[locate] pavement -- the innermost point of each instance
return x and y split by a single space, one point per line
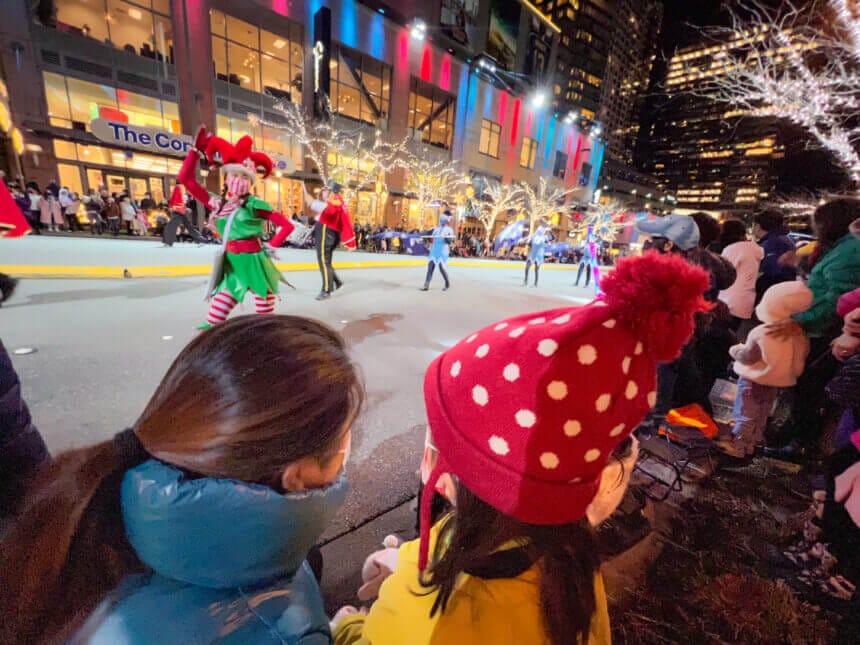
102 346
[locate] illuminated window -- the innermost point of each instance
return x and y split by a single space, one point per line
256 59
360 86
431 111
491 135
71 101
143 27
528 153
559 169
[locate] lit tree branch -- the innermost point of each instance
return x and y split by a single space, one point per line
503 198
430 179
788 66
543 202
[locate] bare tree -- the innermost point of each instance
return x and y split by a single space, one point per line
430 180
502 198
356 157
544 202
603 221
795 66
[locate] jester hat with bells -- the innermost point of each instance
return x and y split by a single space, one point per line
238 158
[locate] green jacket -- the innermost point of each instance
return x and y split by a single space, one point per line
836 272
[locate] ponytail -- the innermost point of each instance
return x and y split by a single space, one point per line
68 549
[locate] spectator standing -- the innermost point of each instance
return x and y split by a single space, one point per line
216 496
54 188
127 212
773 357
777 264
71 212
112 214
50 213
835 270
94 207
35 217
147 204
746 257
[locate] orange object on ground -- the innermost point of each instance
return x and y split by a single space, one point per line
693 416
12 221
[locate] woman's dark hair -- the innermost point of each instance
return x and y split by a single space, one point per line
770 219
733 230
831 223
709 228
241 401
566 556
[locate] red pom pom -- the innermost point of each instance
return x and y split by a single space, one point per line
656 297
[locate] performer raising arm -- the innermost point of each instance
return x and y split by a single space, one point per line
239 216
537 249
331 228
442 237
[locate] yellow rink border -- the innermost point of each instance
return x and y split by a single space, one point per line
46 271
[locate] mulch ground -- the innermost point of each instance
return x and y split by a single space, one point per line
721 576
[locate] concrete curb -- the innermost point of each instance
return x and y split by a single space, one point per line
48 271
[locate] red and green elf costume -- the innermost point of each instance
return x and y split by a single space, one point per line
239 218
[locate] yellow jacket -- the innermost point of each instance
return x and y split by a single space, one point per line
480 612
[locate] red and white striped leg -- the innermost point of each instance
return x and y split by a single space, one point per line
265 305
222 304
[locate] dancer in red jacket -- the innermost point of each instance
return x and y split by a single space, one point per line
331 228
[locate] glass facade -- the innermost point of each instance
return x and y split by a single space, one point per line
528 153
141 27
256 59
431 111
360 86
71 101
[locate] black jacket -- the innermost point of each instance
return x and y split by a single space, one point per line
22 449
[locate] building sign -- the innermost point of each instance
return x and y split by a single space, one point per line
137 137
141 138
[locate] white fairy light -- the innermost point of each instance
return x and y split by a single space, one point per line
502 198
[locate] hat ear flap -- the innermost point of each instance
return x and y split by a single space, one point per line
243 148
224 149
262 161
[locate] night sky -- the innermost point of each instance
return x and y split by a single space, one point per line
679 15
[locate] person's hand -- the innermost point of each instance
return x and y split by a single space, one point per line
847 491
735 349
377 567
343 612
350 249
844 347
789 258
272 252
852 322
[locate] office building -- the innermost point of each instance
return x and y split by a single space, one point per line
110 92
709 156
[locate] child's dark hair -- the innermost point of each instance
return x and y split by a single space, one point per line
241 401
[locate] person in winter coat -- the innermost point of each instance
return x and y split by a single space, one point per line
71 212
194 525
533 454
50 213
776 265
127 212
689 378
112 213
835 270
773 357
22 450
35 217
746 256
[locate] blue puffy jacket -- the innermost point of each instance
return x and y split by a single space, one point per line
227 562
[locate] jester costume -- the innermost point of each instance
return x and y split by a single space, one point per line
331 228
239 218
442 237
537 251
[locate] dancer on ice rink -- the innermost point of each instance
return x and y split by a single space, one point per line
243 263
331 228
537 249
442 237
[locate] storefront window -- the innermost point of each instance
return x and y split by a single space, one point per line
64 149
58 100
360 86
431 111
143 27
70 177
268 139
257 59
71 99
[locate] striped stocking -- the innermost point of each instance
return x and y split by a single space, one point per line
222 304
265 305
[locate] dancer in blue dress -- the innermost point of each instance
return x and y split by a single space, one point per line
537 249
442 237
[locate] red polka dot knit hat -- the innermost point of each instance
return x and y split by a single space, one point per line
527 411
